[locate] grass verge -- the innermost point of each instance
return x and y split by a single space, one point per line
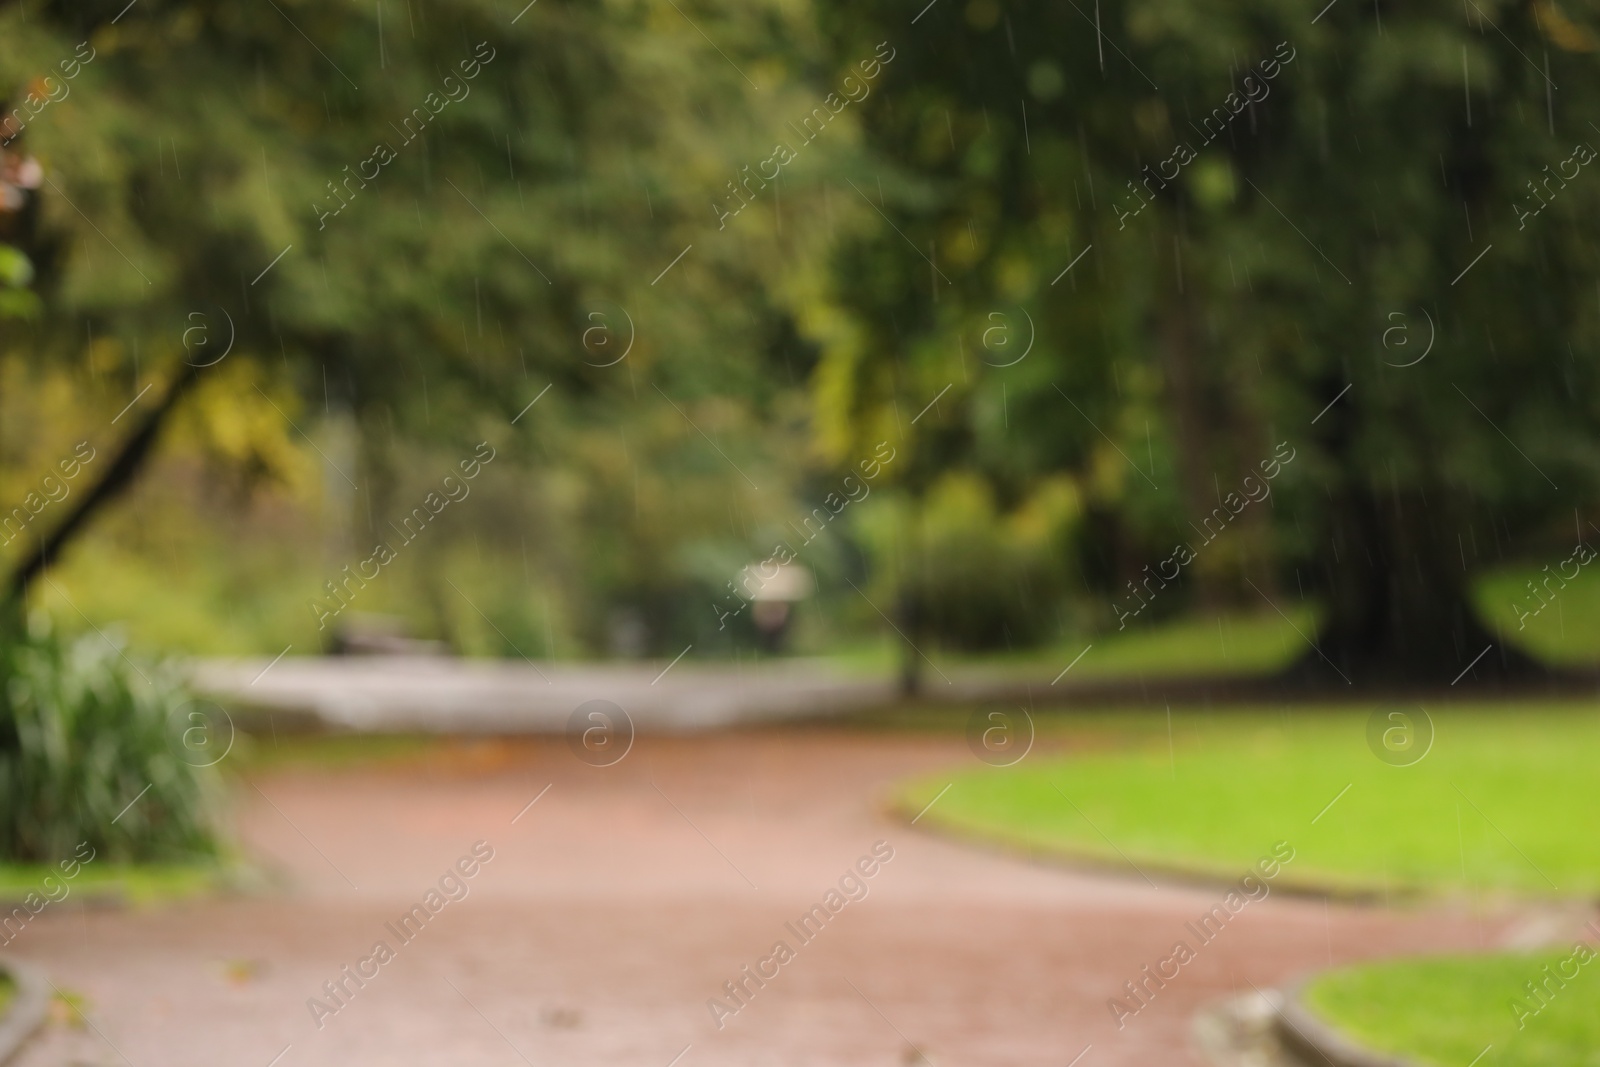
1502 801
136 884
1447 1010
1199 645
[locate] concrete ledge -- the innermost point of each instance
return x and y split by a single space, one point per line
435 694
1241 1031
30 1005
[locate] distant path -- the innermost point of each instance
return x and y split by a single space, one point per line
622 900
447 695
436 694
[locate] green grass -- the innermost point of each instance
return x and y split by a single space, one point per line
1445 1010
1220 644
1563 632
8 990
1505 800
331 752
1215 644
134 884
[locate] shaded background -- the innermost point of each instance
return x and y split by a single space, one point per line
1123 261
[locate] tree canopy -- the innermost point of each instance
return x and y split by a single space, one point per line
1156 303
1234 229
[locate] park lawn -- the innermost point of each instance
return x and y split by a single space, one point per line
1218 644
1195 645
1203 644
1261 642
1505 800
1562 631
1446 1010
1244 643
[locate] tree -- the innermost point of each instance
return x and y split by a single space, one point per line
416 213
1266 191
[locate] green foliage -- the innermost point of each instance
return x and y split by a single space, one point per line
85 731
980 579
582 156
907 271
16 272
520 243
126 883
1199 644
1222 309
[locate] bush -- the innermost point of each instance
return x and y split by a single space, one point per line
981 577
83 731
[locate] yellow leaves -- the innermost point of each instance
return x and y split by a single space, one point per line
1108 473
1562 31
1016 276
235 423
835 388
965 238
43 415
962 505
958 246
105 356
969 542
1051 511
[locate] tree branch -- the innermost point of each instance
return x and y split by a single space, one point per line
117 478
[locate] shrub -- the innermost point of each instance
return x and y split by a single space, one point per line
982 577
84 730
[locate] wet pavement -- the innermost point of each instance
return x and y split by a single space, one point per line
619 901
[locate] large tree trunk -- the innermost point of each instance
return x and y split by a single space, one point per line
1193 420
909 608
1397 589
118 477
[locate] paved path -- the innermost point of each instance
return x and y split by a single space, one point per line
626 896
447 695
443 694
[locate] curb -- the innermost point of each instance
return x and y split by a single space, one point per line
1168 874
1318 1043
1241 1031
30 1005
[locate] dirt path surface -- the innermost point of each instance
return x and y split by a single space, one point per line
624 899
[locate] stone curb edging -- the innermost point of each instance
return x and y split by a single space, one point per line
30 1005
1318 1043
1166 874
1241 1031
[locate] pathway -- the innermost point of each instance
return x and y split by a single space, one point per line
622 900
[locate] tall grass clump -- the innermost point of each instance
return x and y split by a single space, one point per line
84 730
